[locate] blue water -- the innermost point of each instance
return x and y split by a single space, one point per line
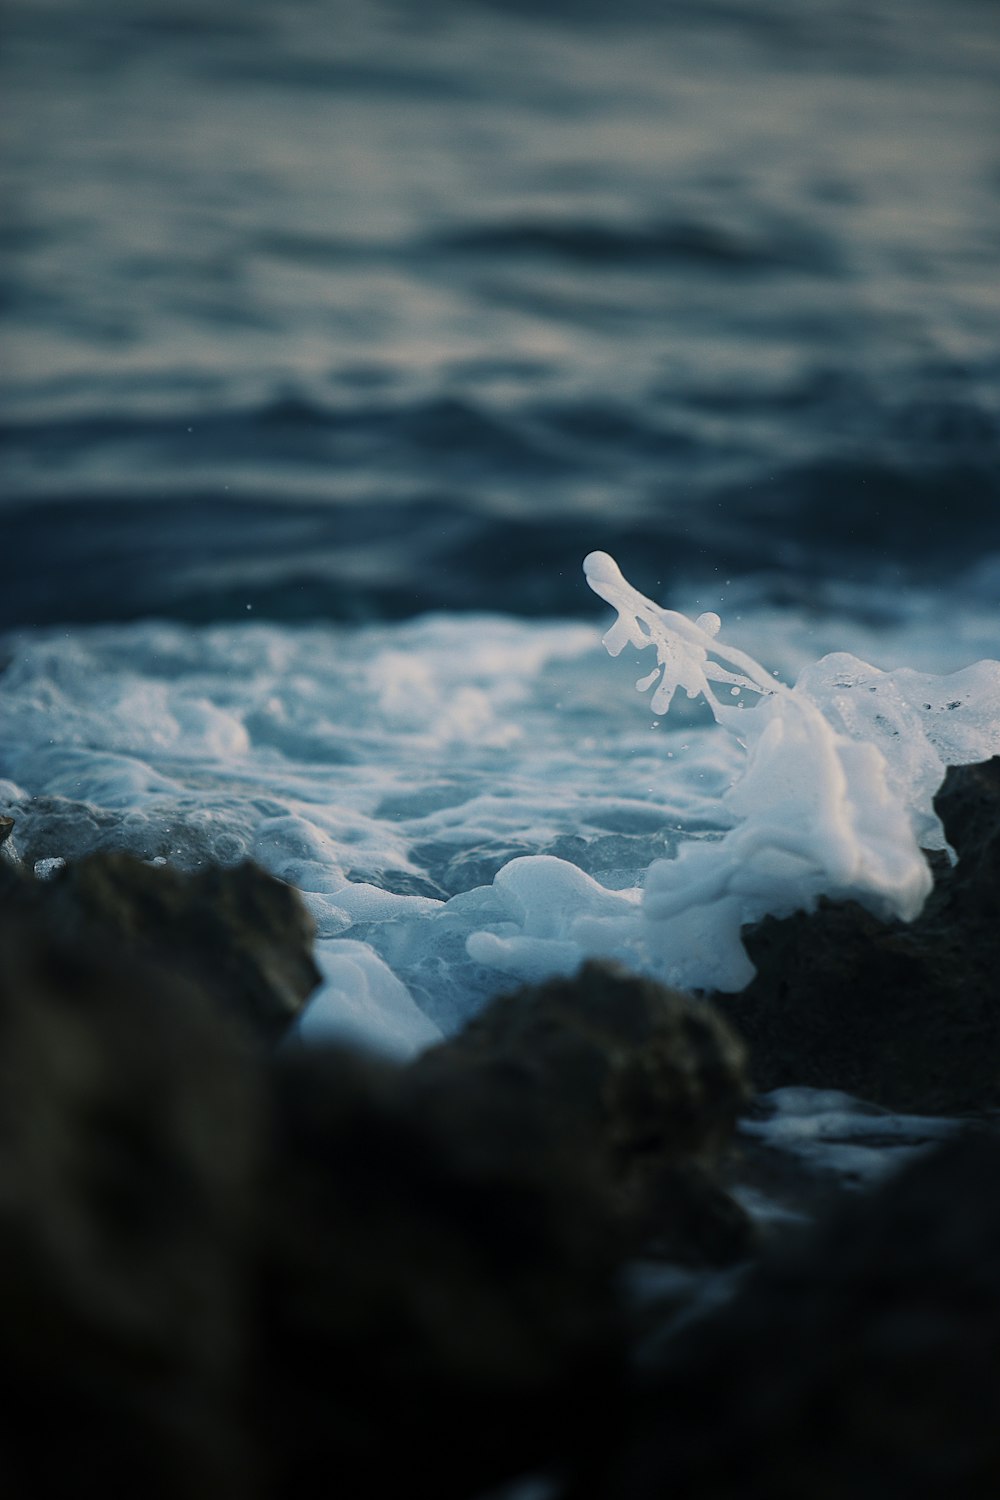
356 310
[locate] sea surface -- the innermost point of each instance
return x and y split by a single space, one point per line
356 310
336 335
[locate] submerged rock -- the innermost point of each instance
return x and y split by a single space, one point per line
242 936
905 1015
861 1363
639 1086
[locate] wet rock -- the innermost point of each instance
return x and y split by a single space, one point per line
225 1270
242 936
52 826
907 1016
687 1217
439 1308
130 1119
638 1084
862 1363
969 806
8 851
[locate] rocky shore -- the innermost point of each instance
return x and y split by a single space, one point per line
231 1263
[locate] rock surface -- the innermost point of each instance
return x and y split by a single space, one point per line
439 1308
8 852
129 1116
907 1016
228 1269
862 1363
239 934
639 1086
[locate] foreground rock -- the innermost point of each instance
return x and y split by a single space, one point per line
224 1272
862 1363
233 1271
228 1270
439 1306
907 1016
637 1085
444 1243
130 1117
240 935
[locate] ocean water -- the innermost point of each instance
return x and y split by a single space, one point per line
335 336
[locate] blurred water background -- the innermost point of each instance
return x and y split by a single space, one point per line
355 310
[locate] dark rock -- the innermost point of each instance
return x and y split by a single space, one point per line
969 807
638 1084
438 1308
8 853
130 1119
228 1271
907 1016
862 1363
242 936
687 1216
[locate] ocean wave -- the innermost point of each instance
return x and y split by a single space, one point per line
697 242
194 553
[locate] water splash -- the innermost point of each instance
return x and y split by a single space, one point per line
836 797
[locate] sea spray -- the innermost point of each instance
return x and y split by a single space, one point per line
836 798
833 796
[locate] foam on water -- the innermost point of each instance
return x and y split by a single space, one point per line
836 795
464 801
838 1136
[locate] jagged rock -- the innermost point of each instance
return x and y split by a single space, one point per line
130 1119
640 1085
861 1363
244 937
439 1309
907 1016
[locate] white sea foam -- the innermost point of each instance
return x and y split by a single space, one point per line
464 801
361 1001
834 798
839 1136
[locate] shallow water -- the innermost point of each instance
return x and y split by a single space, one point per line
393 771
